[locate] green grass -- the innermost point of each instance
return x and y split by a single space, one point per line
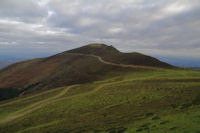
17 104
162 101
186 121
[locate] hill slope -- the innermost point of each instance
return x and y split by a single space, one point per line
70 67
163 100
106 97
56 71
109 53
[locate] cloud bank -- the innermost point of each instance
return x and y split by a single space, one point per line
167 28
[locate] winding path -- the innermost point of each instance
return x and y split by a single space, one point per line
34 106
115 64
53 99
29 97
59 97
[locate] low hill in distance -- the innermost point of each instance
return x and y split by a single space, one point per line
81 65
6 63
196 68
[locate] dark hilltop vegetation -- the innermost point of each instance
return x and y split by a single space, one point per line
98 89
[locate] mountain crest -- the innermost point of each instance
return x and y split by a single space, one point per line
95 49
111 54
80 65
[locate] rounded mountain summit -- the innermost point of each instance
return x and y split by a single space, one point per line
81 65
109 53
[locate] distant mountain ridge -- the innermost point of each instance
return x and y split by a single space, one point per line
188 62
5 63
81 65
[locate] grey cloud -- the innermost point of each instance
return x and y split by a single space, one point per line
148 26
23 10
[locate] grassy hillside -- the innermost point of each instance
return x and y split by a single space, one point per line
97 89
109 53
56 71
156 101
82 65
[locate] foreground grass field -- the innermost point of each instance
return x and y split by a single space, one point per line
154 101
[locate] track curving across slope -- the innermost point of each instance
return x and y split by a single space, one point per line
34 106
59 97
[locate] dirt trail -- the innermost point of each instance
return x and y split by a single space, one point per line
34 106
56 98
93 91
98 57
115 64
47 101
29 97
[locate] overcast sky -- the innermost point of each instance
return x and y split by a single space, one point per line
154 27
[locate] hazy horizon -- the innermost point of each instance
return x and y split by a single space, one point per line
177 61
